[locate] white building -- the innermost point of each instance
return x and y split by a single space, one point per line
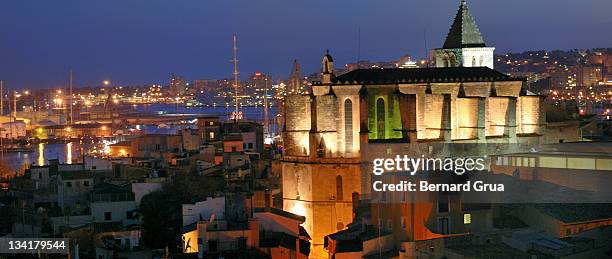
13 130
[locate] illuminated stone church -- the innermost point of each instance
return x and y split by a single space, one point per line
331 135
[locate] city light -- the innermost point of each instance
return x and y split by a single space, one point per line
242 153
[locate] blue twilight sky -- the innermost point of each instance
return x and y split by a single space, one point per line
143 41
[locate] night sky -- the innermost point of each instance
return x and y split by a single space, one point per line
143 41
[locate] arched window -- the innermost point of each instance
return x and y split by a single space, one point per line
445 60
380 118
339 188
348 126
453 60
473 61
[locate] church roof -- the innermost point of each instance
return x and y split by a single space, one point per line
422 75
464 32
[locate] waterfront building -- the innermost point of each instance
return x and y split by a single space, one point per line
13 129
178 87
94 130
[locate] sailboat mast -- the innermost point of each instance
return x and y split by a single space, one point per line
70 99
1 97
266 121
235 60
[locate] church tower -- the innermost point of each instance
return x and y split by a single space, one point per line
327 74
464 45
321 166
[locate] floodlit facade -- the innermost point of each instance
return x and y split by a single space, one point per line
331 136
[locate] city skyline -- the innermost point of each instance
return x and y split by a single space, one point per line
121 42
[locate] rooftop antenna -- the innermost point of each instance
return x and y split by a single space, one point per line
236 114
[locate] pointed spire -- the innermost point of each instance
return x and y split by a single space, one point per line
295 79
464 32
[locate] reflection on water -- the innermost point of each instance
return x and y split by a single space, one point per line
41 154
64 152
69 153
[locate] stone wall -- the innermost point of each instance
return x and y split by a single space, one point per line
312 190
297 113
432 118
327 113
464 118
528 112
297 125
496 120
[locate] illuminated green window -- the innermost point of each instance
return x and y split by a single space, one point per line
380 118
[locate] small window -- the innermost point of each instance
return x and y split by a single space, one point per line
210 123
108 215
86 183
568 231
211 134
339 190
39 175
250 145
68 184
467 218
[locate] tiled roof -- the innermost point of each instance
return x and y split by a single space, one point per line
282 213
422 75
464 32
